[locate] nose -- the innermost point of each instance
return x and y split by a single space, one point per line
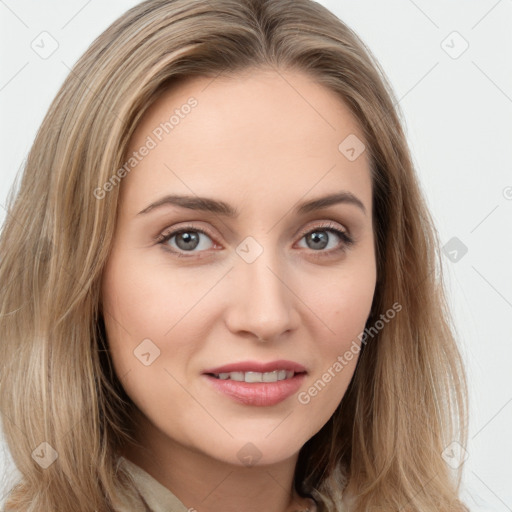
262 303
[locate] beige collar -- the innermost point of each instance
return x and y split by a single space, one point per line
157 496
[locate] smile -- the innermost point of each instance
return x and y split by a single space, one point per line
274 376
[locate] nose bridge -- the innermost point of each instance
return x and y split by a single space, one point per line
263 303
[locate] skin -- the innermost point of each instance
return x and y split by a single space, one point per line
261 142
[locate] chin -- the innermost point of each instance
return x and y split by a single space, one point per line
255 452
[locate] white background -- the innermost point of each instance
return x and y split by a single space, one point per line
458 119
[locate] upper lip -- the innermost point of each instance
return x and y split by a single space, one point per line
256 366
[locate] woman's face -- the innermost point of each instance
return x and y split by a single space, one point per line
258 275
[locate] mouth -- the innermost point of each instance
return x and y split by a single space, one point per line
252 377
255 383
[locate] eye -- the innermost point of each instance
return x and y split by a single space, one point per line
188 238
319 239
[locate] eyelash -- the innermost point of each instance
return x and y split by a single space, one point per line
347 240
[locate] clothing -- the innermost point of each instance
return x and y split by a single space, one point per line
157 496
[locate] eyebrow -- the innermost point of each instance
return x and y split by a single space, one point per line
221 208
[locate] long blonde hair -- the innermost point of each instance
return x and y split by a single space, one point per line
383 446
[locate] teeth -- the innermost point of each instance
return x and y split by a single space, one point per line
257 376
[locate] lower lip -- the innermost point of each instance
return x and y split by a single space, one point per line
258 393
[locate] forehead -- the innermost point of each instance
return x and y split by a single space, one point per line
261 132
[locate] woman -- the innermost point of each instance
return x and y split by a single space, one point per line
222 285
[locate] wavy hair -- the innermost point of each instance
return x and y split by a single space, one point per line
382 449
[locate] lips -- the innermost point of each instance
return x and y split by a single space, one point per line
255 383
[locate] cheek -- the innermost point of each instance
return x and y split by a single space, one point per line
148 341
144 300
134 312
149 309
344 304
